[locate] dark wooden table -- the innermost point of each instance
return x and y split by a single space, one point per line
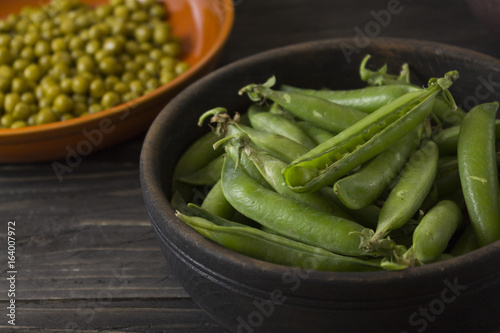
86 257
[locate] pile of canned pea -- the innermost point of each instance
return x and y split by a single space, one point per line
385 177
66 59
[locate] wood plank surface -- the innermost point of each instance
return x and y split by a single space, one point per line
86 255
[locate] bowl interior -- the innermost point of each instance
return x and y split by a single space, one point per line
203 27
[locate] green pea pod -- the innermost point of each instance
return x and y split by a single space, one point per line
216 203
319 135
211 216
286 216
207 175
368 99
273 248
433 233
407 196
447 139
271 169
318 111
441 109
198 155
467 242
273 123
365 186
478 171
359 143
277 145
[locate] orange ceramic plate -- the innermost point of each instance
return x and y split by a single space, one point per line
203 26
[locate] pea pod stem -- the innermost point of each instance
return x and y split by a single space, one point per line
380 77
478 171
357 144
286 216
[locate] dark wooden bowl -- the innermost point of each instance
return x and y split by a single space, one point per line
249 295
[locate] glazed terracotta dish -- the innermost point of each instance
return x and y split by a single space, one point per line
203 27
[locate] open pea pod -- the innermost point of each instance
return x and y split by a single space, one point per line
365 139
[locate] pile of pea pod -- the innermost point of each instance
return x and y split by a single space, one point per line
385 177
66 59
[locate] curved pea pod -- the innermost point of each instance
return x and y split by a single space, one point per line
407 196
271 169
365 186
319 135
433 233
478 171
441 109
273 123
277 145
274 248
288 217
467 242
359 143
447 139
244 162
207 175
368 99
216 203
198 155
318 111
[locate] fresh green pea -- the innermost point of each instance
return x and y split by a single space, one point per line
21 111
46 116
110 99
18 124
63 104
10 101
478 171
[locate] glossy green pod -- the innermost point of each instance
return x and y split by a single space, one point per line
288 217
369 137
478 171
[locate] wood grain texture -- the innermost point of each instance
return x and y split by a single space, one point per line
86 255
